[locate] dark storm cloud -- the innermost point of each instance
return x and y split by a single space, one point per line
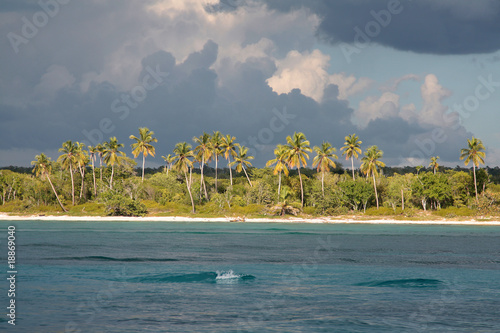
176 98
425 26
189 100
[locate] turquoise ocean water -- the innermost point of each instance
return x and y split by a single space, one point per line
252 277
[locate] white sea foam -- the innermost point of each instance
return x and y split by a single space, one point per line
223 275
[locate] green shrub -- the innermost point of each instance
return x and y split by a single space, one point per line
451 212
309 210
382 211
118 205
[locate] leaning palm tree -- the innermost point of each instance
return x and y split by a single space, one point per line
434 164
216 150
324 160
42 169
228 147
475 153
370 163
113 156
169 159
352 149
281 164
183 164
241 159
143 145
203 154
298 147
93 154
68 162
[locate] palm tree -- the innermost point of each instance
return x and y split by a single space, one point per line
298 147
352 149
475 154
370 163
100 151
68 161
281 164
182 153
169 159
43 168
81 160
434 164
215 147
241 159
228 148
203 154
113 156
324 161
93 154
143 145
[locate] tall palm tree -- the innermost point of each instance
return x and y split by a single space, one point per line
113 156
93 154
100 151
68 162
169 159
475 153
203 154
228 147
183 164
324 160
81 160
370 163
352 149
241 159
280 160
434 164
43 168
298 147
143 145
216 149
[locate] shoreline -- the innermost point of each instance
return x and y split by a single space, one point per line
324 220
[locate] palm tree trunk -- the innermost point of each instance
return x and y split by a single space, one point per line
247 177
189 191
82 173
301 188
475 183
57 197
93 176
352 168
216 160
72 185
230 171
375 187
143 161
111 179
190 176
202 180
279 186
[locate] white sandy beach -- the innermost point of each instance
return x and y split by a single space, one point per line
6 217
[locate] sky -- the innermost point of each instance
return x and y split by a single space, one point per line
417 78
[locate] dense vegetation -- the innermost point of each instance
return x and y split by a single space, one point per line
103 180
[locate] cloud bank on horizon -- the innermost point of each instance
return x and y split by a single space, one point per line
259 70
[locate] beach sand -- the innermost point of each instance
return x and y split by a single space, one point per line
6 217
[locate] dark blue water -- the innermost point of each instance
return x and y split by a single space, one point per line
253 277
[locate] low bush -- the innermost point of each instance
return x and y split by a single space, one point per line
118 205
381 211
451 212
